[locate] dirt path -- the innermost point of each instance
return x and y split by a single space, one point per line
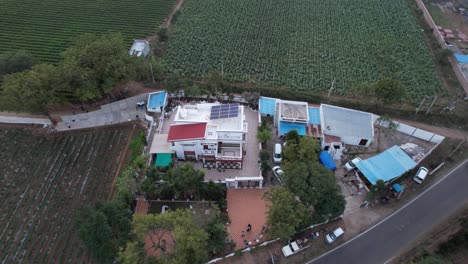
121 162
167 22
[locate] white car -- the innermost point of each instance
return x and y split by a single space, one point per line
421 175
352 164
332 236
278 172
290 249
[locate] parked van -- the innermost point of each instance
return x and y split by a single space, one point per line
421 175
332 236
277 153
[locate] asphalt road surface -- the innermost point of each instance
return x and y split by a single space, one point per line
394 234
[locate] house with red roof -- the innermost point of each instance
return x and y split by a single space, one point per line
210 132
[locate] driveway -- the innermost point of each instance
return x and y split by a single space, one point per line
394 234
114 113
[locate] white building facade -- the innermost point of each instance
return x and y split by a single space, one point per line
212 133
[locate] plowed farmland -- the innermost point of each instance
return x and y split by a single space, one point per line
43 181
46 28
303 44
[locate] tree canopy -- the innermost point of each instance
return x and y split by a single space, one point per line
183 181
285 215
12 62
32 89
103 229
315 186
89 70
389 91
95 64
300 149
263 132
172 234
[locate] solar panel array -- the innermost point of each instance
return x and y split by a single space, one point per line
224 111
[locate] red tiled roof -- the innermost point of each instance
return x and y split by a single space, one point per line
187 132
331 139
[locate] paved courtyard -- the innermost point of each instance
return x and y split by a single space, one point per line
246 206
109 114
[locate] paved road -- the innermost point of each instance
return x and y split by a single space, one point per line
387 239
25 120
118 112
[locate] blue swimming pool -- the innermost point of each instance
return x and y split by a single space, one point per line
156 100
267 106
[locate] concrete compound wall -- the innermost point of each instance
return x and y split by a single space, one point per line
456 68
412 131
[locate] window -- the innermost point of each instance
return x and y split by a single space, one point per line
363 142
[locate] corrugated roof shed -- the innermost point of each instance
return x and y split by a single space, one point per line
339 121
390 164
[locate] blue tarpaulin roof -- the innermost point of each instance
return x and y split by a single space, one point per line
285 127
461 58
327 160
314 116
267 106
388 165
397 187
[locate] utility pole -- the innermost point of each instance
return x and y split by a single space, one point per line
435 98
151 67
420 105
331 88
222 70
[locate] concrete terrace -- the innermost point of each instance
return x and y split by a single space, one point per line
250 166
109 114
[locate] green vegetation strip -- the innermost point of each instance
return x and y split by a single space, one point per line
47 27
303 44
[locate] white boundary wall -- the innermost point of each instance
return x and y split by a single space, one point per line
412 131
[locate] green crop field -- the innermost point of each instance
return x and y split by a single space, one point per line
43 182
45 28
303 44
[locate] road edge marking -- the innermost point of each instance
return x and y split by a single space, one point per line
386 218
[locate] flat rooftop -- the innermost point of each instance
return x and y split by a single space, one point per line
201 113
339 121
294 110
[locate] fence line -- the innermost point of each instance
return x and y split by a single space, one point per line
410 130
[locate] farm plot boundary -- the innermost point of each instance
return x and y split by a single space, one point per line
44 180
